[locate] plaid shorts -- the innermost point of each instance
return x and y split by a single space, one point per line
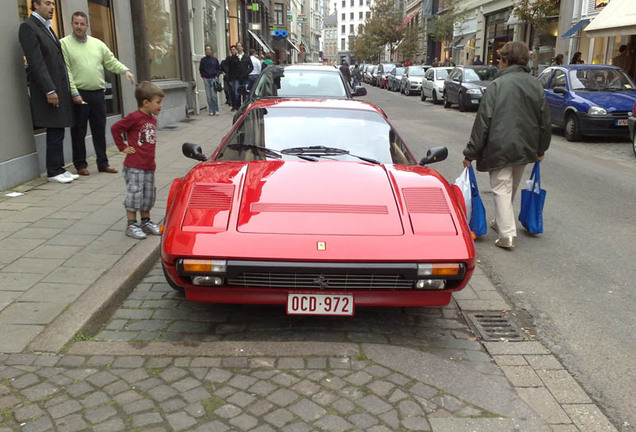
141 190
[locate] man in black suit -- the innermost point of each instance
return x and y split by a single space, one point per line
51 105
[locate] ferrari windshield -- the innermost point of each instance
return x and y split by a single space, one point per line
597 79
357 134
280 82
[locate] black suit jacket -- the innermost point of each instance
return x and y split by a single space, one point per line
47 72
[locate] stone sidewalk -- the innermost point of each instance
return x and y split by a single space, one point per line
65 263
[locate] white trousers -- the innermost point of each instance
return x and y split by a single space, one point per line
504 183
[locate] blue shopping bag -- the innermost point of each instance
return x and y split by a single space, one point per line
477 224
532 201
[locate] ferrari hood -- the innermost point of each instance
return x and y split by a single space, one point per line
320 198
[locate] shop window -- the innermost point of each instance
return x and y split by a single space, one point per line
161 30
24 11
101 27
211 26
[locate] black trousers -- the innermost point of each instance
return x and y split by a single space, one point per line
54 151
93 113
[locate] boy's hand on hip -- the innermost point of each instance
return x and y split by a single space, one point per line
129 150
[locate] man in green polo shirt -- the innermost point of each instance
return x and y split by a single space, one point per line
86 57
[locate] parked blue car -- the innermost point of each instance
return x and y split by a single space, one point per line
589 100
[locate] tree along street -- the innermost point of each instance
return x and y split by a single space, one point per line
577 279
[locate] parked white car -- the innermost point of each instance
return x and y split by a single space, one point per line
412 79
433 84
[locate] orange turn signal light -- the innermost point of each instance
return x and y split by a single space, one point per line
197 266
446 269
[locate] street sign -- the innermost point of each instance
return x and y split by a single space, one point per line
301 18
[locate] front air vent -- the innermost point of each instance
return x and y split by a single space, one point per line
425 200
211 196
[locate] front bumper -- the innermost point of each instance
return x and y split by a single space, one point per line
601 125
371 284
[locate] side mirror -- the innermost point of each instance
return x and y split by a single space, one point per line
193 151
436 154
561 90
359 91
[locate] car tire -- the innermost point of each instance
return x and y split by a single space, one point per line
634 144
571 128
447 103
422 96
461 103
435 100
407 91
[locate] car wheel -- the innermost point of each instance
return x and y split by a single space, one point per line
461 102
435 100
571 128
422 96
634 144
447 103
407 91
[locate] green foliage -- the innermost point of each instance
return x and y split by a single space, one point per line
383 28
409 46
536 12
443 24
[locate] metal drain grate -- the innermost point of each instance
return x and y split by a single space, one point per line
494 326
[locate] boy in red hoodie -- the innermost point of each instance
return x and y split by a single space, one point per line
139 166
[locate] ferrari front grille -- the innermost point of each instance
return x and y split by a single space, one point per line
321 281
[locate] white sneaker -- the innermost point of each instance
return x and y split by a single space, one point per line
71 175
61 178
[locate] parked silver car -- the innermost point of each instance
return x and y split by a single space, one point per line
394 79
433 84
412 79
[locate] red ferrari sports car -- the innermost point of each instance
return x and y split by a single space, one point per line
317 205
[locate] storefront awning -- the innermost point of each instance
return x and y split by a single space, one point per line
465 38
293 45
575 28
617 19
260 42
407 20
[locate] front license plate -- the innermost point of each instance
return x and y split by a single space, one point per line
621 122
319 304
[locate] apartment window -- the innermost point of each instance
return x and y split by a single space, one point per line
351 15
344 17
351 30
343 29
361 15
368 15
361 2
344 4
342 44
353 2
279 15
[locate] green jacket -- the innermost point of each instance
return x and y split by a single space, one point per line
512 125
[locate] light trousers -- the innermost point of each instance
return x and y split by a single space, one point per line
504 183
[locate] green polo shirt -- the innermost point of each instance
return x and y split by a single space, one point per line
85 62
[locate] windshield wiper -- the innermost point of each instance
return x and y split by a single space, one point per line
268 151
315 151
320 151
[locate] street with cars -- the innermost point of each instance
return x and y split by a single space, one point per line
153 358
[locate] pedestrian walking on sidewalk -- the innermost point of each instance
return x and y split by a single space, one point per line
210 69
49 88
139 166
86 57
240 66
514 98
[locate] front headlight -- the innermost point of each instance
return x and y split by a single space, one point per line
473 91
597 111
